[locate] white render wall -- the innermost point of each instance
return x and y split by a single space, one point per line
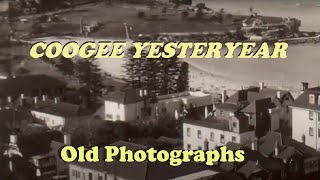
195 142
126 112
50 120
301 124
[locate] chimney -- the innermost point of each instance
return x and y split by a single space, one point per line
261 85
254 144
9 99
67 139
56 100
205 112
176 114
223 96
278 94
276 149
35 100
44 97
13 139
304 86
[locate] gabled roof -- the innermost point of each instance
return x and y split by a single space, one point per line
50 107
303 100
268 146
125 97
21 84
249 168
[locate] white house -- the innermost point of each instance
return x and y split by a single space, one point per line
172 105
216 131
306 117
53 112
125 106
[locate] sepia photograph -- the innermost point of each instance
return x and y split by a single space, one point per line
159 89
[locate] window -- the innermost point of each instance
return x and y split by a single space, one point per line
188 132
118 105
311 131
109 116
188 146
199 134
319 116
311 99
164 110
212 136
90 176
311 115
234 139
118 117
234 125
319 100
221 112
222 138
100 177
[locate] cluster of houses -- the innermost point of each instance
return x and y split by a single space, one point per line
279 134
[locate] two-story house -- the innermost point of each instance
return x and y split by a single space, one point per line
306 118
125 105
216 131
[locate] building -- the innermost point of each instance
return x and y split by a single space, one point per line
137 170
49 164
31 85
266 108
175 105
125 105
306 117
52 112
216 131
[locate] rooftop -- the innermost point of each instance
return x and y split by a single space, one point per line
125 97
221 123
21 84
49 106
186 94
303 100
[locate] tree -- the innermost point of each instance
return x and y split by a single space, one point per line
133 68
89 74
66 66
169 71
183 78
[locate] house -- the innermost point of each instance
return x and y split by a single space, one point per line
52 112
30 85
175 105
50 164
306 117
137 170
216 131
266 108
125 105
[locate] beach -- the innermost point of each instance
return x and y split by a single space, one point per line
233 74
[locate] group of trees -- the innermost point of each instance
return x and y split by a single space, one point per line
158 76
